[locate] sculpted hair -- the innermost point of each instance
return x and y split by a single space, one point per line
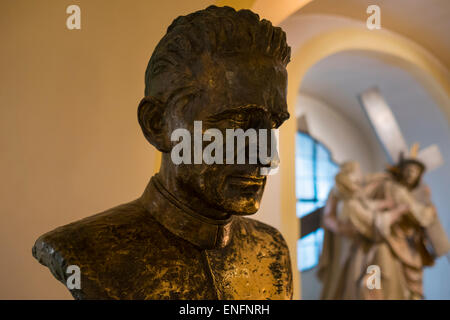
217 31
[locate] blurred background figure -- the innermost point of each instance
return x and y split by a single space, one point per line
381 221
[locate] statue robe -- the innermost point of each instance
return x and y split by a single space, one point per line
400 249
157 248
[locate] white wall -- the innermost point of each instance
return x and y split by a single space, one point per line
339 134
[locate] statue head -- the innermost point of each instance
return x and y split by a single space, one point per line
411 172
227 69
408 172
349 179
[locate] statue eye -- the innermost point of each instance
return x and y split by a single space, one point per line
239 118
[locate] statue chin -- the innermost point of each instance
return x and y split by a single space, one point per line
242 206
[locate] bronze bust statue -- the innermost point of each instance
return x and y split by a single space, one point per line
186 237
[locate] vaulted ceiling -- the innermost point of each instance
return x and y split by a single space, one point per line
427 22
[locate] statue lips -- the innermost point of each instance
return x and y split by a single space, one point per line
248 180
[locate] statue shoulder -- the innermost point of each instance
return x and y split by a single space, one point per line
94 242
268 243
84 233
262 230
377 177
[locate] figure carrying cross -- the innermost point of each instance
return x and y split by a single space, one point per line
384 219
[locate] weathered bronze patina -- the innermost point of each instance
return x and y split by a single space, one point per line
186 237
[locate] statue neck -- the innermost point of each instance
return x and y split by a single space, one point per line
185 195
184 222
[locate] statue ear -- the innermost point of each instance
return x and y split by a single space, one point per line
151 118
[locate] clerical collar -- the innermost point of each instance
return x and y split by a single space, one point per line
182 221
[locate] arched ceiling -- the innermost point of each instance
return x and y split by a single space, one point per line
425 22
339 78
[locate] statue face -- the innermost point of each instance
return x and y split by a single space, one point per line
236 92
411 173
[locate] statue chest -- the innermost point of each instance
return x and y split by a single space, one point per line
182 271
